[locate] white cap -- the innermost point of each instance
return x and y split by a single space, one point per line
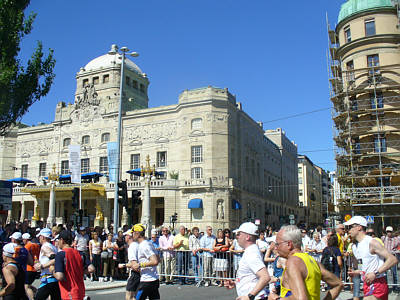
154 231
356 220
26 236
16 235
128 232
82 228
46 232
389 228
248 227
9 250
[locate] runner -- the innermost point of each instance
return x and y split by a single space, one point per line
252 276
13 276
69 269
132 265
373 260
31 273
48 285
302 274
148 261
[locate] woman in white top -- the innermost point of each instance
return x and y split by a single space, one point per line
316 247
261 243
108 262
95 246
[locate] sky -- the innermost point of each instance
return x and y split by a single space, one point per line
270 54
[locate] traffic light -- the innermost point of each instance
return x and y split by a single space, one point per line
75 198
174 218
136 201
123 192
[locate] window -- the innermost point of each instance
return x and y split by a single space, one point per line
161 159
300 169
356 146
103 165
134 84
42 169
24 171
347 34
354 103
370 27
142 88
373 63
96 80
135 164
85 165
106 78
64 167
376 102
197 173
197 124
66 142
85 140
379 143
85 82
128 81
350 70
300 180
197 154
105 137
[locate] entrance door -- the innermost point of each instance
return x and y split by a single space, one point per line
159 216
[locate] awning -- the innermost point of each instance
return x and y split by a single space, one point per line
83 176
137 172
20 180
236 204
195 203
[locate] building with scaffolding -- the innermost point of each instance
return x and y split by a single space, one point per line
364 61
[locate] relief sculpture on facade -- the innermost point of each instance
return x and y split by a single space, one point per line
150 132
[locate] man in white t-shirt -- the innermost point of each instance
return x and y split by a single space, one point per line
134 276
148 261
252 277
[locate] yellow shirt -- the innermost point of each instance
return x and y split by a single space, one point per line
340 243
178 238
312 280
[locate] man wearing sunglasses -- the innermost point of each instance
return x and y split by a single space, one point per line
374 260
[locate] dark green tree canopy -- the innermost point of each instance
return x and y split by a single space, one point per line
20 86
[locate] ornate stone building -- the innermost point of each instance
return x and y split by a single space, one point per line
205 147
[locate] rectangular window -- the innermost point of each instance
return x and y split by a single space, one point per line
347 34
350 70
376 102
106 78
300 193
197 173
85 165
24 171
42 169
134 84
85 82
135 164
354 103
300 169
64 167
300 180
161 159
142 88
197 154
379 143
370 27
103 165
373 64
128 81
96 80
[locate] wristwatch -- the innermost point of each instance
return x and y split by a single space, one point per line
377 273
251 296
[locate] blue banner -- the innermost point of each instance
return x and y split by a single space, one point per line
112 157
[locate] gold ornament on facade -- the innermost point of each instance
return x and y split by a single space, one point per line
99 213
53 176
148 170
36 215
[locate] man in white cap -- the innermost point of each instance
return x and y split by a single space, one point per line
373 259
22 256
81 242
13 275
34 251
391 243
252 275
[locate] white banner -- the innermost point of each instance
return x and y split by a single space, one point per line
75 163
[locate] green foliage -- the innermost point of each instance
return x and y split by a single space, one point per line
20 86
174 175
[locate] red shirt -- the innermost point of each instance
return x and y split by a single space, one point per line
69 262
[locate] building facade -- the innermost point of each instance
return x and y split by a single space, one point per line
365 82
205 147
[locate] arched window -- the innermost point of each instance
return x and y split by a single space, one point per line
105 137
85 140
197 124
66 142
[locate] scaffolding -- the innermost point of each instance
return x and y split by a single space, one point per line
366 118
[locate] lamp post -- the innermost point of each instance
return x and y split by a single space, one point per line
148 173
53 177
114 51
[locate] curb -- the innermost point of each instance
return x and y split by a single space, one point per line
105 286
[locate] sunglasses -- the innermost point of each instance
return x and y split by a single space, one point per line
370 233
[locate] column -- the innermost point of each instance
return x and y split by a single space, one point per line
22 210
146 213
52 205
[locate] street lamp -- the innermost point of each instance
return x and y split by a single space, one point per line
114 51
148 173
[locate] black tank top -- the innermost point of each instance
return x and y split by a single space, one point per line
19 291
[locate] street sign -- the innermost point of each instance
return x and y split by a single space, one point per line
370 219
5 195
347 217
291 217
292 222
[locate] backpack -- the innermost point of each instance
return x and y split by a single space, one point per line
329 260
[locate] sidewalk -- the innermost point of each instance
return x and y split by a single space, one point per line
96 285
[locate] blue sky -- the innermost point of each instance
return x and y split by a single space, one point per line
270 54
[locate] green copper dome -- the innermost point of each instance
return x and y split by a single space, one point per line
352 7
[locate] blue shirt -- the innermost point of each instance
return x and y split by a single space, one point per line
207 242
156 246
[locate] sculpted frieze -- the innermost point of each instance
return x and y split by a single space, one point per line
217 117
151 132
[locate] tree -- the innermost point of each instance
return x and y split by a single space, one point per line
20 86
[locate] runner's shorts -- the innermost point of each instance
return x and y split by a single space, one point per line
378 288
133 282
148 289
30 277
